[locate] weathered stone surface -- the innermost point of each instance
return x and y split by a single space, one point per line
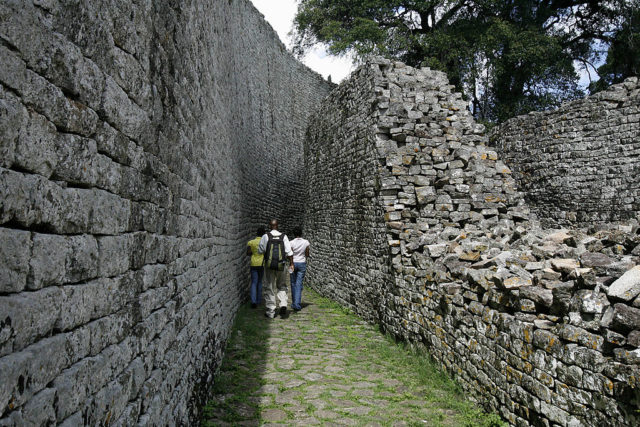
561 161
564 265
634 338
558 237
520 314
436 251
592 302
134 167
596 259
15 250
625 318
514 283
537 294
627 286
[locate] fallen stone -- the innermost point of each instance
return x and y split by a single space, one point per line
627 286
514 283
595 259
469 256
437 250
499 276
558 237
625 318
618 268
634 338
454 265
592 244
550 274
579 272
547 250
532 266
499 260
480 277
537 294
564 265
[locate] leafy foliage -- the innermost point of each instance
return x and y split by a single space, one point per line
623 56
507 56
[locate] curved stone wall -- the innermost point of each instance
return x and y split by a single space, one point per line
344 215
140 145
539 325
579 164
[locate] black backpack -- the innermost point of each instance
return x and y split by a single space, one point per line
274 256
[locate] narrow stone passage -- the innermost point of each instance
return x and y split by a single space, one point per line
325 366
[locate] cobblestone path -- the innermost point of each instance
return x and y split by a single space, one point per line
323 365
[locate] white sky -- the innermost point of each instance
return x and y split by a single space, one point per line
280 13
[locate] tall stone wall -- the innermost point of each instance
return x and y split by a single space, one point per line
344 217
539 325
579 164
140 144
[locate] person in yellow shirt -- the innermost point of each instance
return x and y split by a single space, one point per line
256 268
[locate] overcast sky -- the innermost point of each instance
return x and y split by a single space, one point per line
280 13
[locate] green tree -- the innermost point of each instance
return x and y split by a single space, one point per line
507 56
623 55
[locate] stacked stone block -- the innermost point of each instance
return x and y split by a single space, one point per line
539 325
579 164
344 217
141 143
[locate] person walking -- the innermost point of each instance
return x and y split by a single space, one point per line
277 250
300 248
257 269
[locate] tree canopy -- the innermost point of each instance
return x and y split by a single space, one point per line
623 55
508 57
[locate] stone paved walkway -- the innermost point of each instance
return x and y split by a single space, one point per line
323 365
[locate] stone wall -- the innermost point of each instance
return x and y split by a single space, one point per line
344 217
140 145
579 164
539 325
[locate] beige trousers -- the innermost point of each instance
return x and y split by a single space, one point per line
274 284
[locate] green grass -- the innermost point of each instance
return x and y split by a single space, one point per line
399 382
414 368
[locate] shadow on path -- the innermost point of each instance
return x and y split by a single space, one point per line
323 365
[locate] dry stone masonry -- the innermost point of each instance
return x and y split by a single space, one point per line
141 143
540 325
344 215
581 162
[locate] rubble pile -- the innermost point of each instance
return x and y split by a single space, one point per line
539 324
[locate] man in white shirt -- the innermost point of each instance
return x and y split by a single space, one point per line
275 278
